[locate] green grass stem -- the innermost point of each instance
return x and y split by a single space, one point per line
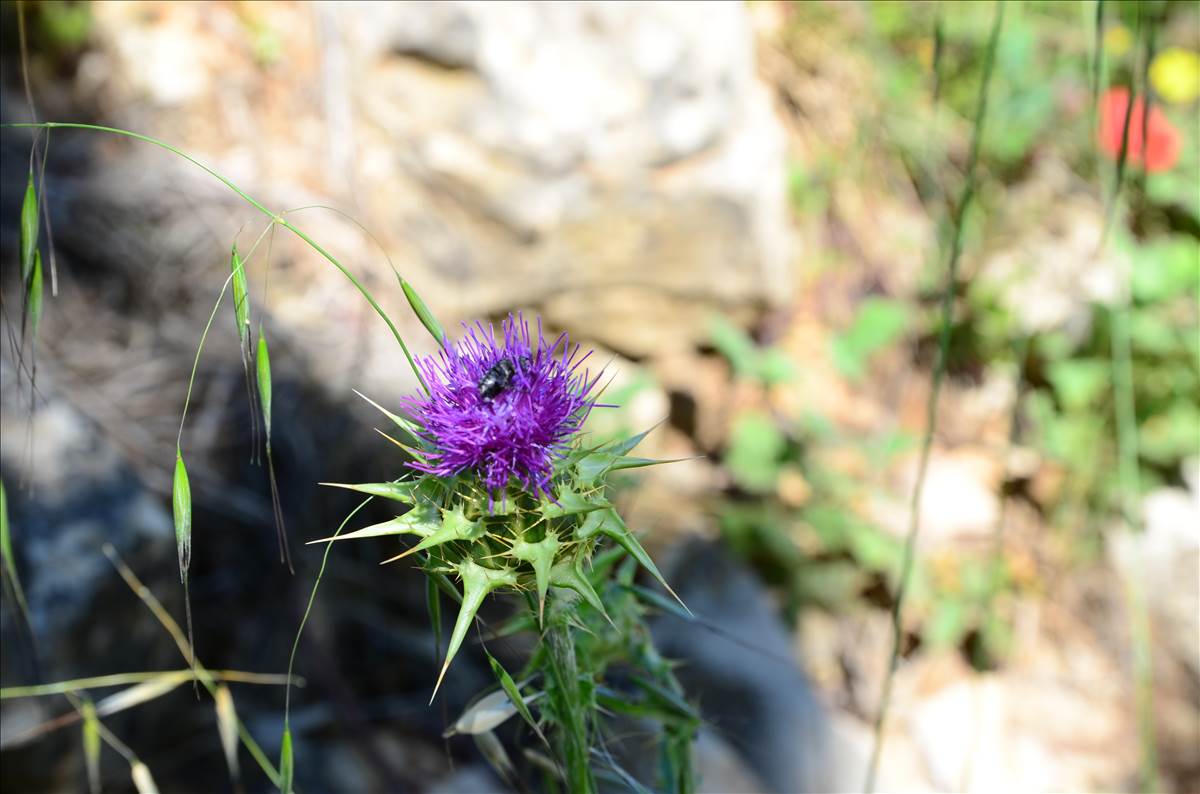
205 677
939 371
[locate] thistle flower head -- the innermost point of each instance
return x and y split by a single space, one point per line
504 408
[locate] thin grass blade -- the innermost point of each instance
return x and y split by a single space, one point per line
29 228
263 363
241 296
91 746
433 603
9 559
33 295
140 693
286 763
958 217
396 491
509 687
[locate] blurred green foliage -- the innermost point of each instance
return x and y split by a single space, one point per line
801 520
878 323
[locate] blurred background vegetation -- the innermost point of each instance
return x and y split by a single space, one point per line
748 210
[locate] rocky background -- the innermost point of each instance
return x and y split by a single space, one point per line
713 196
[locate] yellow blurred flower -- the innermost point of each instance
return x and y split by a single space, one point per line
1175 75
1117 40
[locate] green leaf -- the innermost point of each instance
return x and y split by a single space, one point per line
477 581
594 464
671 702
423 314
755 448
592 467
1079 382
34 294
1152 333
396 491
571 576
569 503
91 746
735 344
879 322
29 228
613 526
422 520
433 603
455 526
540 556
287 767
775 367
874 549
181 502
263 361
9 559
241 296
1171 435
1165 269
514 695
654 599
948 624
445 585
628 445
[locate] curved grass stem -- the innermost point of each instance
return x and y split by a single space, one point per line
939 371
276 218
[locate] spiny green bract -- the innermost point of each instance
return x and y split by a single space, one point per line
522 542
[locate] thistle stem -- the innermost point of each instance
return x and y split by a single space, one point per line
568 702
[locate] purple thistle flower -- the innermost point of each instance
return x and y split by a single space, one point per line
505 409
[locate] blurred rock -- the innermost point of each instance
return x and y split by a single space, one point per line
853 740
993 733
959 501
1165 560
1052 275
615 165
475 779
1167 557
70 491
743 674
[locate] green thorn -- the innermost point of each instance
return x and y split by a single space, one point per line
541 556
477 583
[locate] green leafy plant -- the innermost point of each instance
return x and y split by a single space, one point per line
542 529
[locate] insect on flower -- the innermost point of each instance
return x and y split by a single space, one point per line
504 408
500 376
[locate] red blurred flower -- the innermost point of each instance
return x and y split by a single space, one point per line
1161 149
